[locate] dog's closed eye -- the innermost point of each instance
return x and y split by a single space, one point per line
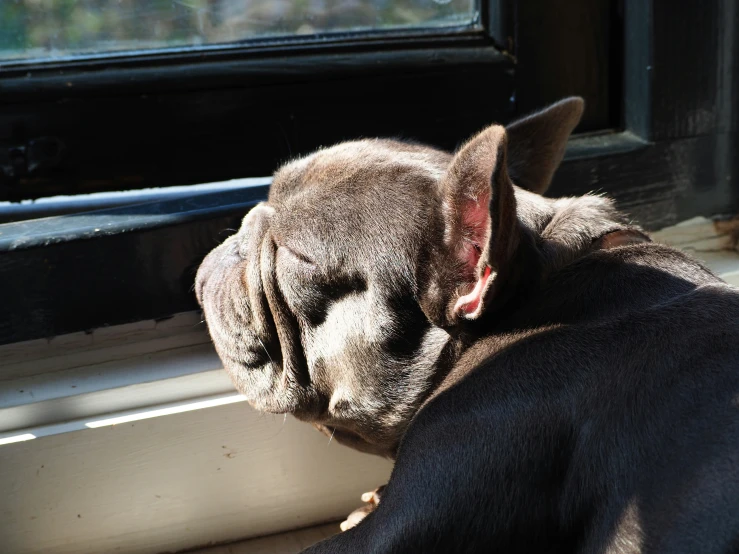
293 254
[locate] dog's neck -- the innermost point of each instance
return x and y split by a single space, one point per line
550 234
556 233
565 229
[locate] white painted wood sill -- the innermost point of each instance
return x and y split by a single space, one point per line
160 484
194 477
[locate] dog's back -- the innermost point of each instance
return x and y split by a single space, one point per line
612 426
631 378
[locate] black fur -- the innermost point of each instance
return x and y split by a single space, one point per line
614 428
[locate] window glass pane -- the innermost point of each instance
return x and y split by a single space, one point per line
52 29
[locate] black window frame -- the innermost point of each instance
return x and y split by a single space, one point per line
176 117
661 139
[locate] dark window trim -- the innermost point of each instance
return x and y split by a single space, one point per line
165 57
267 56
112 123
131 75
673 159
492 21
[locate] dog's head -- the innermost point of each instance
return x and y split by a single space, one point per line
338 298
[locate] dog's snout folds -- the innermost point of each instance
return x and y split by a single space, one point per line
244 245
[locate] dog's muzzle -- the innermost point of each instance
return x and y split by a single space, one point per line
252 329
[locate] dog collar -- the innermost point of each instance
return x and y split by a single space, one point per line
620 237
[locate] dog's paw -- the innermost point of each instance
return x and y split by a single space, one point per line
371 499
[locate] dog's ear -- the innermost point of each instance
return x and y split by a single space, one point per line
537 143
489 253
480 228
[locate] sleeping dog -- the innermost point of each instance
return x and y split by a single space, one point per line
545 377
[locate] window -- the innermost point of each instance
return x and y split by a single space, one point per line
61 29
176 116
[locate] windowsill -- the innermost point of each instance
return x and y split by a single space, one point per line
291 542
174 481
54 386
709 241
66 205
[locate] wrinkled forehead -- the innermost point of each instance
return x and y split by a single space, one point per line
369 194
357 167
